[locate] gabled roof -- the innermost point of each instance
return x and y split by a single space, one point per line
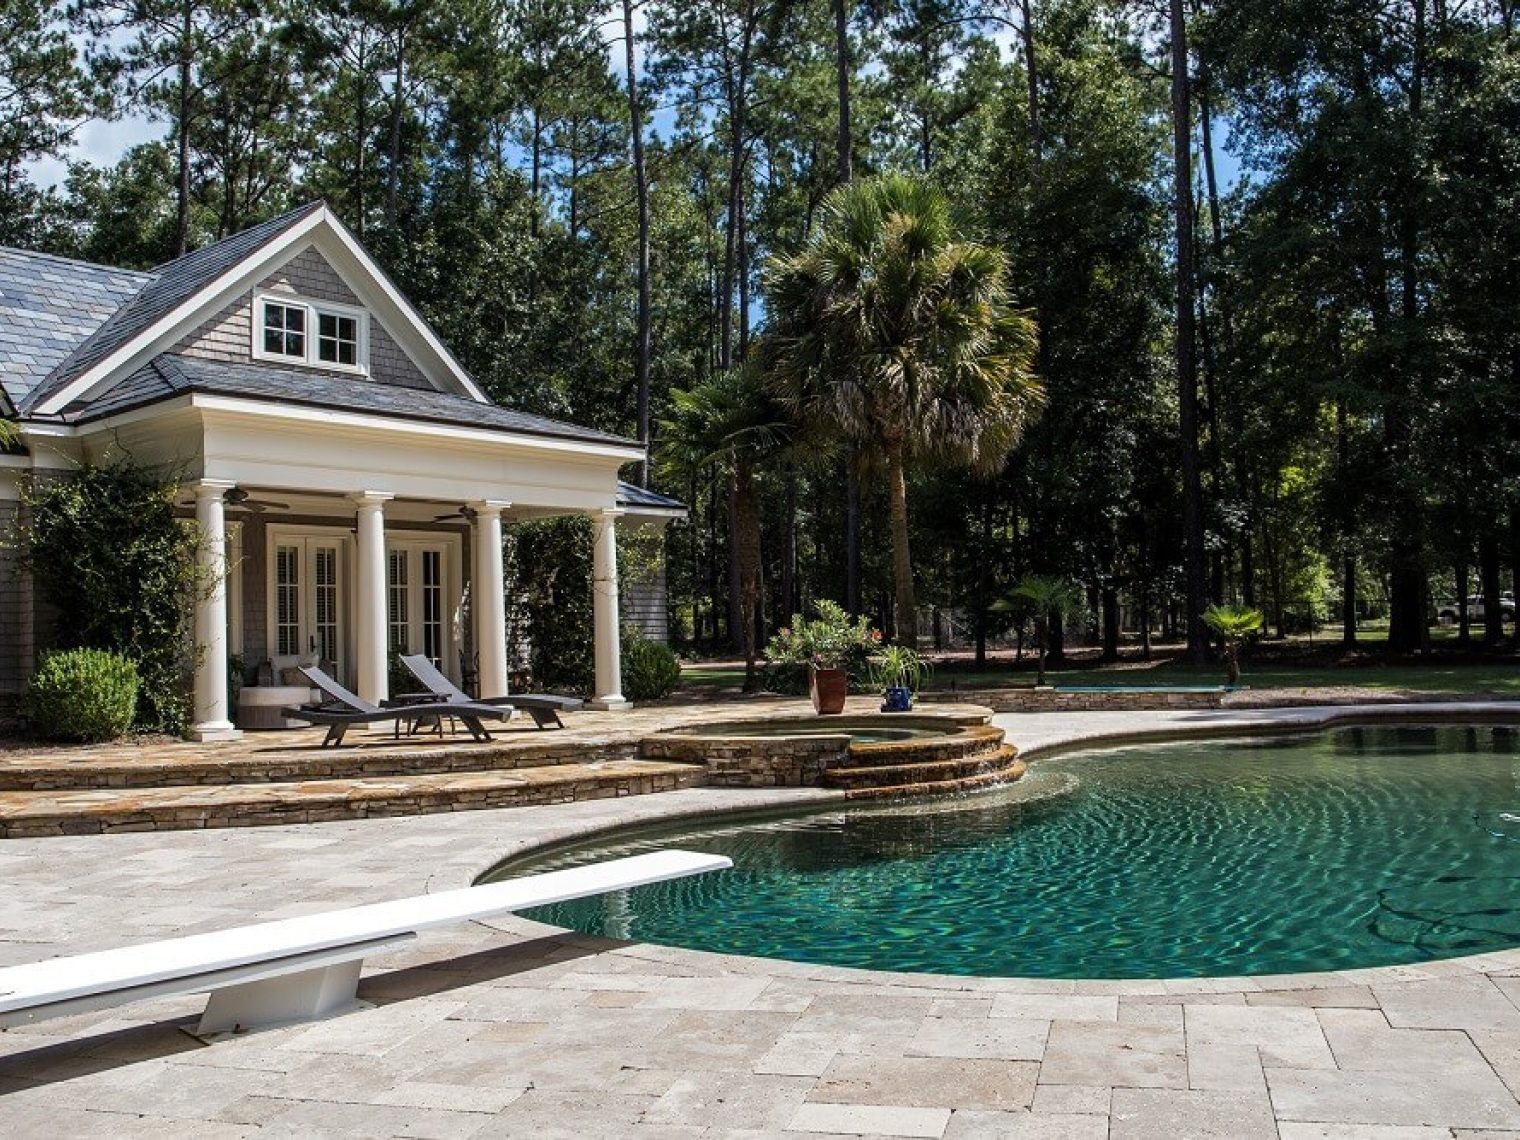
636 498
49 306
164 290
171 374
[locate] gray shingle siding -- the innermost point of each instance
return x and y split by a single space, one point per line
229 334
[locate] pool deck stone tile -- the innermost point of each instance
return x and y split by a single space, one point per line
509 1028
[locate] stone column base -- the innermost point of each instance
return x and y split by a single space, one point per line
609 704
214 733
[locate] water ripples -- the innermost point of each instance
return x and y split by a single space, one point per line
1359 847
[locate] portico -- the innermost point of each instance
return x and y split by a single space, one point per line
349 576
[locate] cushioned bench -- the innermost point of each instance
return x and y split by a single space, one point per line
296 969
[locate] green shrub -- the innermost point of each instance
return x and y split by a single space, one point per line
549 617
83 694
106 550
650 670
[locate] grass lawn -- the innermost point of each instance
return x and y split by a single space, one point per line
1299 663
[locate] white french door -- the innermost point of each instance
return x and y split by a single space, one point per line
418 577
309 600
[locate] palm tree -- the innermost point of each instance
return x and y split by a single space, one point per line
902 338
1233 624
1044 596
729 425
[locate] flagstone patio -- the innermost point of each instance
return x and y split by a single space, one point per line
512 1029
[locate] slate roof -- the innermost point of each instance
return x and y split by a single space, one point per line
58 317
632 495
165 288
173 374
48 307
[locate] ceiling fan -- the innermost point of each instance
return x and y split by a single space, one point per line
238 497
465 512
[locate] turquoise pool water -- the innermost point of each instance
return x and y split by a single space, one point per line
1358 847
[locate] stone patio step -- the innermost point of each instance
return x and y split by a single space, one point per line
86 812
990 778
972 740
179 765
920 772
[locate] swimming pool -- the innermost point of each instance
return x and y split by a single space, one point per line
1356 847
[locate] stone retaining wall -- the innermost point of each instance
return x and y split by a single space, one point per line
753 762
1054 700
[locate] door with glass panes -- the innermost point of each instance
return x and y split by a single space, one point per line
309 600
417 591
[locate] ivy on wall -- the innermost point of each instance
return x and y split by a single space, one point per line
549 607
106 551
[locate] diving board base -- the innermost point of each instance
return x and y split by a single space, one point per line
285 999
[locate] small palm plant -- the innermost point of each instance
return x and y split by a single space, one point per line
1233 624
1044 596
896 667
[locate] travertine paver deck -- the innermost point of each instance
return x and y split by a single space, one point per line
510 1029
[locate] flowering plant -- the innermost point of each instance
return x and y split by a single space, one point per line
831 640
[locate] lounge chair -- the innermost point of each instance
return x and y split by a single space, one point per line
544 708
344 710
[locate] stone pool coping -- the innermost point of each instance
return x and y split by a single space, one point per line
549 1033
1038 737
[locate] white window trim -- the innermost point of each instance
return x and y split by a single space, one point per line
314 310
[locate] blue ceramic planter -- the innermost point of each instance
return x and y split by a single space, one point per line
897 699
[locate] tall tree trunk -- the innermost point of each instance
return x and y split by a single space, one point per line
1407 630
1032 82
644 334
789 604
182 130
357 195
1187 371
747 520
1347 526
904 607
1488 579
1464 620
398 108
736 622
844 145
852 517
743 270
844 142
738 106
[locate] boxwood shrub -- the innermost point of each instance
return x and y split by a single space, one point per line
650 669
86 695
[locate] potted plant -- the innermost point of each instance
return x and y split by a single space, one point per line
827 646
899 672
1233 624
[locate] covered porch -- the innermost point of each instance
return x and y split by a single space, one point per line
340 536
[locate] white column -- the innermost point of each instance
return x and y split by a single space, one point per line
605 617
373 652
212 721
488 599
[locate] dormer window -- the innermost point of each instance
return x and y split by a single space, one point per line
317 334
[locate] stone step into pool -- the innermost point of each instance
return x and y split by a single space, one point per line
881 755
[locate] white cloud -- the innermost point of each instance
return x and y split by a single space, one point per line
100 142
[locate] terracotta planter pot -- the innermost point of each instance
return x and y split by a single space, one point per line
828 688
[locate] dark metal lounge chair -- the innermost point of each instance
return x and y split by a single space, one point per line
544 708
343 710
